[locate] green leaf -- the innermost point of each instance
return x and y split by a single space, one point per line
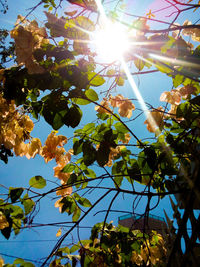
77 146
72 179
178 79
81 101
74 28
142 162
91 94
74 248
36 108
68 168
120 128
85 23
27 264
64 250
162 68
54 109
89 153
136 246
73 116
18 261
139 64
28 204
134 171
118 167
118 180
119 81
89 173
123 229
103 116
89 128
17 225
76 214
82 201
15 193
151 156
37 182
95 79
69 205
183 110
56 262
17 212
85 242
58 120
103 154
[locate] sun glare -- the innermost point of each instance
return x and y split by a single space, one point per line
111 42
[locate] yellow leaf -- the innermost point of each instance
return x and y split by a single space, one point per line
59 233
111 72
139 64
1 262
119 81
3 221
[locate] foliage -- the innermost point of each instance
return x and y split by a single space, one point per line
6 52
117 247
56 76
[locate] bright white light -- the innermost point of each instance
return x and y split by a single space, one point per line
111 41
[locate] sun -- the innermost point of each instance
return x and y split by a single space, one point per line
111 42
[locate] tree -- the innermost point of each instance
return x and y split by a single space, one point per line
58 72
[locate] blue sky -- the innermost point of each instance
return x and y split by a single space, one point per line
18 171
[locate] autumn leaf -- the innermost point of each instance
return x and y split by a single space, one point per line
59 233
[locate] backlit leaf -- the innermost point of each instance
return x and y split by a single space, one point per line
28 204
17 212
59 233
178 79
80 101
37 182
68 168
139 64
120 127
76 215
92 95
119 81
95 79
18 261
17 225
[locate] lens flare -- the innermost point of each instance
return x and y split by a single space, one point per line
111 41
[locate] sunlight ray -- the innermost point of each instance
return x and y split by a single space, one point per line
175 61
101 10
134 86
165 148
80 28
128 74
138 95
148 61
